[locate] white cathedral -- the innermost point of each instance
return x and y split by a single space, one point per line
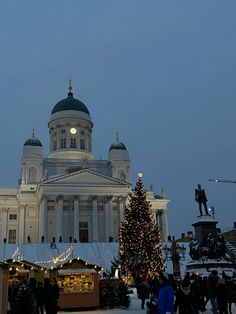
69 195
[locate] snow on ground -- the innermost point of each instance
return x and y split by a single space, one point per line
135 308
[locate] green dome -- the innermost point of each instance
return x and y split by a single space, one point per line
118 146
70 103
33 141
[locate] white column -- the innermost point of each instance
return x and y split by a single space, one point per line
95 219
165 225
109 218
22 224
160 224
59 218
43 218
76 218
4 224
106 220
121 206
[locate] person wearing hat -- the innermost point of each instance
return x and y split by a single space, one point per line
165 298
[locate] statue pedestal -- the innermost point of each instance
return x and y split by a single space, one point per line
203 226
208 256
205 267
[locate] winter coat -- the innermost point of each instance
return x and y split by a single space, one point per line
165 298
184 301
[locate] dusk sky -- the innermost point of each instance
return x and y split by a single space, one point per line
161 73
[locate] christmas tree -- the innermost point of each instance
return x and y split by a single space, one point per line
140 252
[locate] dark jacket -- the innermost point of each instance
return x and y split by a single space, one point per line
184 301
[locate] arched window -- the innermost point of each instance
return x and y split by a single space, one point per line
32 175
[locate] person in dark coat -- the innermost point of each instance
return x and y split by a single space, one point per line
47 296
184 300
212 283
32 291
55 296
40 297
12 292
222 297
231 292
197 292
143 289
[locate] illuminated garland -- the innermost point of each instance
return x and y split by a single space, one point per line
16 256
59 259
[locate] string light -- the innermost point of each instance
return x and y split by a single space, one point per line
59 259
16 256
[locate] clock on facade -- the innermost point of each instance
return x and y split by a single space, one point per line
73 131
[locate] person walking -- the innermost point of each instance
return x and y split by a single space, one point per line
143 288
165 298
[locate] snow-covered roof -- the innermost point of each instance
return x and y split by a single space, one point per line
100 254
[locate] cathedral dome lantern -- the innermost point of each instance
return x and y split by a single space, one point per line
118 150
33 141
31 161
119 157
70 129
118 145
33 146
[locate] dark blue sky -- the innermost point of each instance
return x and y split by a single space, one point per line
162 73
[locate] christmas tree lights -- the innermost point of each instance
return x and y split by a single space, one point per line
139 249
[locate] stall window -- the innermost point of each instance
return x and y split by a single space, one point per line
75 282
12 236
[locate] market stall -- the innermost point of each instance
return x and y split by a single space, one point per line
78 283
3 288
23 270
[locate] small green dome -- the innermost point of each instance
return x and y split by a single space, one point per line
70 103
33 141
117 144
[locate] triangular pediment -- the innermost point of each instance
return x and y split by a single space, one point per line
85 177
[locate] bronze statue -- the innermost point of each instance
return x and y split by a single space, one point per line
200 198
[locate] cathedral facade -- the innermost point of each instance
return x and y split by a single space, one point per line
69 195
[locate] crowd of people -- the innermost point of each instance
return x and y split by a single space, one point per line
188 296
33 297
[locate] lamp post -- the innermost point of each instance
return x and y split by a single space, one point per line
212 211
175 253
